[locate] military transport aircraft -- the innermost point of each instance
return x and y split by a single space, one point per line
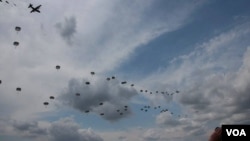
34 9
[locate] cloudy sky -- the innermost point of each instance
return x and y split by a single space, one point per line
190 58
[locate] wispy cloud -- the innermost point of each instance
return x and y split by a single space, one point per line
213 81
67 28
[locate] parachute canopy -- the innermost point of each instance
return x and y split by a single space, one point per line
17 28
124 82
15 43
18 89
58 67
45 103
51 97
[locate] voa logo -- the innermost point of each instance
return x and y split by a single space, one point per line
236 132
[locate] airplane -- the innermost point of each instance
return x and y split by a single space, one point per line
34 9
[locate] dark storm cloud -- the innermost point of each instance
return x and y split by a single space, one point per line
67 130
67 28
112 94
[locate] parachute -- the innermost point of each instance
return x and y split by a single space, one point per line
46 104
17 28
58 67
51 97
124 82
18 89
16 43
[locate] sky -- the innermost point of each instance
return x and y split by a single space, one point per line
190 58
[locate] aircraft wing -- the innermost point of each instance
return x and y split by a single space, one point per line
38 6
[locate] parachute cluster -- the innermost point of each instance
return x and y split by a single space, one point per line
120 111
16 43
17 28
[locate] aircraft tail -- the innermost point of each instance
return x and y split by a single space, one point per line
30 6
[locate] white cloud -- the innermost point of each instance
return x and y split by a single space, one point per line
63 129
66 129
112 95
